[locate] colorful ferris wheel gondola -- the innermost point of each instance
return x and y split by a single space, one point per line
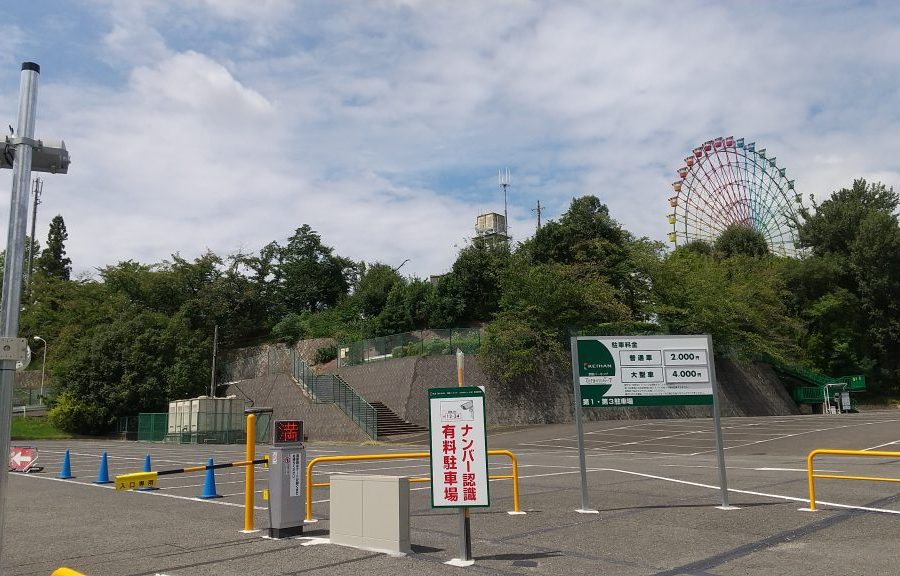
725 182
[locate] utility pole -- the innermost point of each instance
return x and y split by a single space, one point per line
538 210
38 188
212 379
23 153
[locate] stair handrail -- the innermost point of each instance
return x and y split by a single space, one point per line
331 388
355 406
854 382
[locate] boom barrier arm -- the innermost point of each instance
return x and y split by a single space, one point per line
811 475
124 481
406 456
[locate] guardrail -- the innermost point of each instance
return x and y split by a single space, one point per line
406 456
811 475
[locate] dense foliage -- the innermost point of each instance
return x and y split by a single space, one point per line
140 335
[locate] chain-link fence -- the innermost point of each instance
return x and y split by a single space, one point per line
196 428
419 343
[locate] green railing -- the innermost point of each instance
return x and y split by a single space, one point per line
815 394
419 343
194 428
321 388
331 388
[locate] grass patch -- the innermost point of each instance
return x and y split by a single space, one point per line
35 428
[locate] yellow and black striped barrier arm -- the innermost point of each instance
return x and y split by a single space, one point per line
137 480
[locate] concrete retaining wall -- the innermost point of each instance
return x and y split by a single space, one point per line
403 385
320 421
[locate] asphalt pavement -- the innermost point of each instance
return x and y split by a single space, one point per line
654 484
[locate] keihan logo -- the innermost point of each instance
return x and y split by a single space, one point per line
595 366
595 359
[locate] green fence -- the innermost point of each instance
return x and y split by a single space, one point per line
419 343
194 428
332 388
322 388
152 427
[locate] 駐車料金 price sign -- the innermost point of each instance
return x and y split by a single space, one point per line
459 470
622 371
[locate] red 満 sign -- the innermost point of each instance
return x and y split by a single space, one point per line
22 458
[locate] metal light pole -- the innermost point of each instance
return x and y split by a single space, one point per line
43 365
23 153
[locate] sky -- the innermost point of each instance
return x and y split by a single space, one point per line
224 125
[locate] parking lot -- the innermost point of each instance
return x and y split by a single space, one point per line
654 483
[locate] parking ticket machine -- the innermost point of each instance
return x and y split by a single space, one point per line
287 480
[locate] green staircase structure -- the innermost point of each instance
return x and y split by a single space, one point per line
817 385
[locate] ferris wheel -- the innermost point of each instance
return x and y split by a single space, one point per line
726 182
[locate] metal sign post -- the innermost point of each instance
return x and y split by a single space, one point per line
720 444
465 526
626 371
579 427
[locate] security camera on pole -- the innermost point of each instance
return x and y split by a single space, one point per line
23 153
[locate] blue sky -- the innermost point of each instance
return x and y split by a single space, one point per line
226 124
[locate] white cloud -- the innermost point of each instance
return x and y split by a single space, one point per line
382 125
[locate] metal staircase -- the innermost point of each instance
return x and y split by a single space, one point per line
818 386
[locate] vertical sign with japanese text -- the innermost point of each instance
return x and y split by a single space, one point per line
459 468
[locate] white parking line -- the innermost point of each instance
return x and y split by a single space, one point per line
881 445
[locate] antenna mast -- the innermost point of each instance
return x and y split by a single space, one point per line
538 211
503 178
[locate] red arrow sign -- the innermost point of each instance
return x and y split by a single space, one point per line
22 458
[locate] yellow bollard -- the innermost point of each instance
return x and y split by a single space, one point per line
63 571
811 479
250 476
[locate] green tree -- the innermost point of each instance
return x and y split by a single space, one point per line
53 261
741 239
375 283
540 305
741 301
848 287
307 275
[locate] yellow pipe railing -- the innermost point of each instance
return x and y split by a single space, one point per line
811 475
406 456
250 473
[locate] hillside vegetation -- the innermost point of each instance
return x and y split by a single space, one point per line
141 334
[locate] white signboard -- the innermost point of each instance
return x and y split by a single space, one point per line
459 467
644 370
295 469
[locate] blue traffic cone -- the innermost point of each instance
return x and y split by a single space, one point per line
66 471
103 474
209 486
148 468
